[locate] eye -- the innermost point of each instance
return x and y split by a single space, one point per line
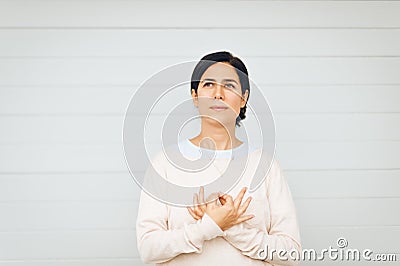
208 84
230 85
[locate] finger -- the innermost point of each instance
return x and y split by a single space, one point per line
244 218
201 205
197 209
193 214
201 194
221 198
202 208
202 201
196 200
245 205
228 199
239 197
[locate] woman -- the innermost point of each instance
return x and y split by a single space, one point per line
222 230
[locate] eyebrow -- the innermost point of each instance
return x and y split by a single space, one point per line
231 80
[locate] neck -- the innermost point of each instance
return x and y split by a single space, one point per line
216 136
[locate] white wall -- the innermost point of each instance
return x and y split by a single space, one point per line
330 70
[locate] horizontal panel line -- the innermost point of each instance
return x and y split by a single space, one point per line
88 144
4 173
70 259
44 114
110 229
157 56
11 202
64 172
134 230
349 226
341 170
120 143
100 144
190 28
108 85
89 259
199 28
347 197
58 230
38 201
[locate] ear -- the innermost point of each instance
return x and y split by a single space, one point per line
244 98
195 98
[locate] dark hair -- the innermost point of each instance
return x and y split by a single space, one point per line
223 56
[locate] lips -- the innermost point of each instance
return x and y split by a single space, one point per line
218 108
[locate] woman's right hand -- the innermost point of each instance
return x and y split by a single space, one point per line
230 212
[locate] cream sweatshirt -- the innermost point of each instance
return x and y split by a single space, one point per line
169 235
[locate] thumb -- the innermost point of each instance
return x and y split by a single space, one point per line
227 198
221 198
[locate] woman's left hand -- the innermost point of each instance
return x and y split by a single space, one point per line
200 205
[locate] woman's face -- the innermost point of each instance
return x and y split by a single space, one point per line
219 94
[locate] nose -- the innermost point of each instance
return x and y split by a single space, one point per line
219 92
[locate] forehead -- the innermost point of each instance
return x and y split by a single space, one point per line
219 71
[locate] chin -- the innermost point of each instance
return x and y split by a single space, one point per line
220 120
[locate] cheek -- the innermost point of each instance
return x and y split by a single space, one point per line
234 102
204 101
204 97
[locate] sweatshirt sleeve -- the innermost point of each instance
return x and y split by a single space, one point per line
283 233
156 242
